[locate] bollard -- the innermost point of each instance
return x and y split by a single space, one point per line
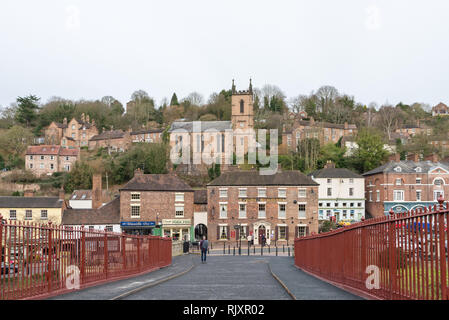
276 251
233 251
248 248
224 248
283 248
261 250
269 249
254 249
229 249
288 251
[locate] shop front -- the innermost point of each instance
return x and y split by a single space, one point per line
138 227
177 229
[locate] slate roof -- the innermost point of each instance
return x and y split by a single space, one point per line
147 131
156 182
30 202
107 214
407 166
203 125
115 134
335 173
43 150
78 195
61 125
200 196
254 178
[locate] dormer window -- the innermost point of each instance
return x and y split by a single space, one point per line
418 169
398 169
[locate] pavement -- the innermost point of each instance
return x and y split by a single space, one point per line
221 278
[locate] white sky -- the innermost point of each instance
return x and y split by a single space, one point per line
392 50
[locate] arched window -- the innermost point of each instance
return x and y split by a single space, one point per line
438 182
242 106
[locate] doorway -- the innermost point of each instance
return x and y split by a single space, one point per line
262 232
200 231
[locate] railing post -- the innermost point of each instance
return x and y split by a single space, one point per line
106 258
363 253
149 251
442 251
392 255
50 255
83 254
124 250
138 253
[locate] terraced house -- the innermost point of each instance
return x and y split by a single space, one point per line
47 159
341 193
280 206
404 185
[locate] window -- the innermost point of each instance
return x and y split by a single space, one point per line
135 211
28 214
320 204
242 192
370 196
398 169
302 211
351 180
398 181
359 204
41 166
91 228
223 193
31 157
289 140
398 195
302 193
67 158
329 192
73 135
345 214
179 211
73 127
12 214
378 195
262 213
42 157
328 213
328 204
242 210
282 235
329 180
52 166
242 106
418 169
437 194
438 182
44 214
31 166
418 195
282 210
261 192
351 191
223 211
282 193
301 231
351 204
179 197
52 158
418 180
109 229
135 196
223 232
344 204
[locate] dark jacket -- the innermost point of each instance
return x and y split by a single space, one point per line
204 244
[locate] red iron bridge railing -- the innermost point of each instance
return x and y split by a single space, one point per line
38 261
400 256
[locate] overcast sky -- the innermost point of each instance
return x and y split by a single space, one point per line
392 50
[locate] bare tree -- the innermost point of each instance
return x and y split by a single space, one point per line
389 117
195 98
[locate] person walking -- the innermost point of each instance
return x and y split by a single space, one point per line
249 240
204 244
263 240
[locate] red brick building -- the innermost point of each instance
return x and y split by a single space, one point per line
147 135
281 207
113 140
404 185
47 159
148 200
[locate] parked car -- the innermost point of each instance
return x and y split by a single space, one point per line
6 268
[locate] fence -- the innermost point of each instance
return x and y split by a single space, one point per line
401 256
44 260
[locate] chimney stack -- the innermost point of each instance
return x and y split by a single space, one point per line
329 164
87 118
97 191
138 172
396 157
64 121
82 117
28 193
61 194
413 157
433 158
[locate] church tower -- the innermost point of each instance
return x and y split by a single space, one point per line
242 108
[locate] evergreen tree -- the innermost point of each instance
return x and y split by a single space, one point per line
27 108
174 100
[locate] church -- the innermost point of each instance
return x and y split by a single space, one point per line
208 142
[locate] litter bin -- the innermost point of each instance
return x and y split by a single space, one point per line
186 246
